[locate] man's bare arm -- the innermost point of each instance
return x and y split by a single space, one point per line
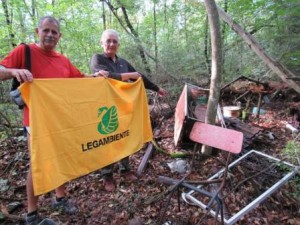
22 75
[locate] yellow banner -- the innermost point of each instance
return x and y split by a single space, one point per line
81 125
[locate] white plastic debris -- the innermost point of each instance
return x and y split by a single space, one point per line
271 136
290 127
168 223
179 165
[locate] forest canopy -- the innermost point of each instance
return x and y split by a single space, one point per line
163 38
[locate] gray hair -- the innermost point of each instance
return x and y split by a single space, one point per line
110 32
51 19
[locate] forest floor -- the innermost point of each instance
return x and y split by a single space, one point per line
145 201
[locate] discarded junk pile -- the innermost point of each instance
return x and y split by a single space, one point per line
190 129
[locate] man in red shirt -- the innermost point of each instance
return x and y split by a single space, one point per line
45 63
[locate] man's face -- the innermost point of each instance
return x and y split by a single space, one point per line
110 45
48 34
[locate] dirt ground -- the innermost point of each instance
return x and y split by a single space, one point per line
146 201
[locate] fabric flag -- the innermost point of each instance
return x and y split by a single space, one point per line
79 125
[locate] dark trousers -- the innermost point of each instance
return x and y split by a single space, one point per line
123 165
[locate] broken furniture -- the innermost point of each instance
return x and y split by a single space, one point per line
250 132
244 89
224 139
146 157
191 107
228 140
212 198
192 198
189 126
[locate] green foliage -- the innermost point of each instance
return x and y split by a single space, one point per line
292 150
292 153
10 114
295 182
180 38
3 135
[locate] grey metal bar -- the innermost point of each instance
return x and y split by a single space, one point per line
188 198
261 198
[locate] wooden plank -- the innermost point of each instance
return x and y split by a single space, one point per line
180 116
200 111
217 137
246 129
147 155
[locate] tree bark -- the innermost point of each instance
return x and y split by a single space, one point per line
8 23
216 65
155 36
275 66
103 16
206 46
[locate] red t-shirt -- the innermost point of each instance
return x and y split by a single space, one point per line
43 65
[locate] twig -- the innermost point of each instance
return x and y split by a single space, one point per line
159 149
173 189
172 155
241 96
9 216
12 199
10 163
248 178
8 122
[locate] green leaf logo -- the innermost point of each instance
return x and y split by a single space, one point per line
109 122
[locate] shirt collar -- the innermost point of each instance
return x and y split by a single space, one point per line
106 56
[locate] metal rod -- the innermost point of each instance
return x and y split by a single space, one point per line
255 202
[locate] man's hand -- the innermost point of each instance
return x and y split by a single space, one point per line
22 75
101 73
130 76
162 92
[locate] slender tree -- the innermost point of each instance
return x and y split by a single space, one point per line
103 15
216 65
206 46
274 65
9 24
155 36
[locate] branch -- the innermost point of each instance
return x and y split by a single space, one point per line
137 40
9 216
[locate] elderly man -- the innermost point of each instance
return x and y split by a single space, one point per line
45 63
108 64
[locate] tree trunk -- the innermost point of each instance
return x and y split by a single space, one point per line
135 34
155 36
216 65
8 23
275 66
103 16
206 46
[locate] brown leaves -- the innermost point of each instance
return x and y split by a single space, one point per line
127 205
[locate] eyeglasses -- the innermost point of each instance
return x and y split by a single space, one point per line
111 41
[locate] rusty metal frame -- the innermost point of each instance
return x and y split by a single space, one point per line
190 199
184 116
